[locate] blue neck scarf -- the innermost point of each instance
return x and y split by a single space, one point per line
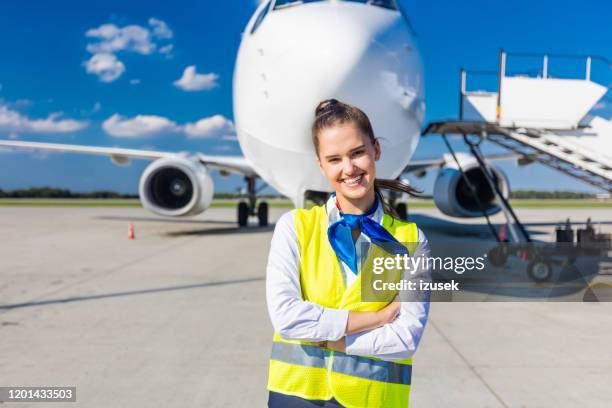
341 238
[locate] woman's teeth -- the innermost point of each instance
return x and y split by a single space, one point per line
353 181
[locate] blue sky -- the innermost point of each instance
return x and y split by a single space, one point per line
82 72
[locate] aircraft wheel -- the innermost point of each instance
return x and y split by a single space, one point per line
498 255
539 270
262 214
402 210
243 214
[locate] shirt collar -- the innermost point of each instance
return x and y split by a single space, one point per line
333 213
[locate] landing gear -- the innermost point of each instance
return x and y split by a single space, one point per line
262 214
247 209
402 211
243 214
539 270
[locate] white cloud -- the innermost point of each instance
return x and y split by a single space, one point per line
149 125
138 126
112 39
216 125
192 81
160 28
166 49
230 137
135 81
106 66
109 39
15 122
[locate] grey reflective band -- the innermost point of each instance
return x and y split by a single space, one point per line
299 354
377 370
356 366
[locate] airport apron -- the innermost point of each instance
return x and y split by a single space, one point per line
306 370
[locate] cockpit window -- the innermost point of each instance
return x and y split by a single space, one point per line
260 17
389 4
287 3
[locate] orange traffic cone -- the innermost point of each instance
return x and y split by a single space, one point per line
502 233
131 235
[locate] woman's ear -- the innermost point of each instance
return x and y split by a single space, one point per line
377 150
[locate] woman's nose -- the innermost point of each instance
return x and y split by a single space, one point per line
348 166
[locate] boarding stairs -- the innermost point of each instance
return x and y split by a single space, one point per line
542 119
559 153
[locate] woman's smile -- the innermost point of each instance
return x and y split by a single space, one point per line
353 181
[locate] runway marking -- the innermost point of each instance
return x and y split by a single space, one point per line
127 293
470 366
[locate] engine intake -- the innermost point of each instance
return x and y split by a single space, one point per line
453 197
176 186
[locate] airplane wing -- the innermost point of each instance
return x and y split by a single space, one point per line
426 164
121 156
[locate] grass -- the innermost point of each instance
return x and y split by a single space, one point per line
283 203
559 203
61 202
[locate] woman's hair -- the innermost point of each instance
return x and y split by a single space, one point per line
332 112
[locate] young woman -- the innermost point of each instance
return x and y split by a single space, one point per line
331 348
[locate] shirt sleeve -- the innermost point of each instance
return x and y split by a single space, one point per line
292 316
399 339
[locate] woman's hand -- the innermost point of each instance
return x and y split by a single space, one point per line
336 345
363 321
390 312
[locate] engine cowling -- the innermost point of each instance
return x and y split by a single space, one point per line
452 194
176 186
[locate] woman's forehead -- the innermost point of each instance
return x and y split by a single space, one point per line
345 135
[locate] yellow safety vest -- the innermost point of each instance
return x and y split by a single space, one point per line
309 371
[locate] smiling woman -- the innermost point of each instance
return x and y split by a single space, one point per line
331 347
336 125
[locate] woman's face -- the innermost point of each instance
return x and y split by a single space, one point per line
347 158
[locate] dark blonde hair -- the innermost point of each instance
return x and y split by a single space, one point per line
332 112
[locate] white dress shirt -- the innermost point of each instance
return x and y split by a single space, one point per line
297 319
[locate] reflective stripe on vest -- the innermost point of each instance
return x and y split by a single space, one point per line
356 366
300 354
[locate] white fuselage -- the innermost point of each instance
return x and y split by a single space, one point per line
300 55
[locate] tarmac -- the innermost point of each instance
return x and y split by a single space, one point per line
177 317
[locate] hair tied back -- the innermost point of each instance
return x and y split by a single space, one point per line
325 106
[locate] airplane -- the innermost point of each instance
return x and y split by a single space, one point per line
294 54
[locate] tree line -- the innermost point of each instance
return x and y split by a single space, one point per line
549 194
50 192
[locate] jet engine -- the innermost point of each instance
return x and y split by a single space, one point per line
176 186
452 194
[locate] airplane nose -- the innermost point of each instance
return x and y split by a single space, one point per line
301 54
318 36
327 50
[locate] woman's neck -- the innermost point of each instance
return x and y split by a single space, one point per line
356 206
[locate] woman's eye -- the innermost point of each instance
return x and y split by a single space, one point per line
334 160
358 152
